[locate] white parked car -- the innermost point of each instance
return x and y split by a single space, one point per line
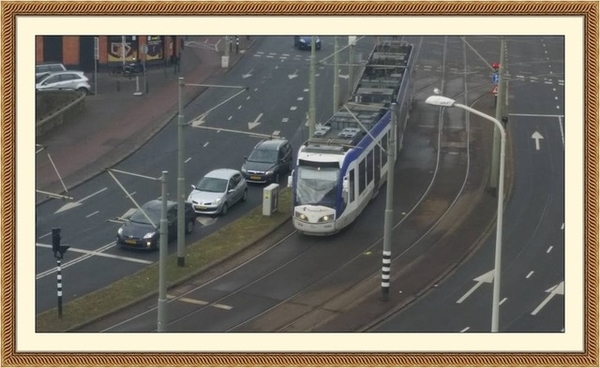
47 68
70 79
217 191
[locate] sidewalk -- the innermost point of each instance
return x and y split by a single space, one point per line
115 122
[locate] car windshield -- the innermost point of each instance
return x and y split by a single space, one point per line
212 185
261 155
40 77
154 214
317 185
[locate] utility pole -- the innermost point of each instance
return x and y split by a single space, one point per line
500 101
180 182
123 50
59 251
389 208
336 76
312 86
352 43
162 263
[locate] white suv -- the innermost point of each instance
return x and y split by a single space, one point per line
48 68
64 80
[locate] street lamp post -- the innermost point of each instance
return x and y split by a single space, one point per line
448 102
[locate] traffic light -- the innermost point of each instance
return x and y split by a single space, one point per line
56 240
59 250
495 66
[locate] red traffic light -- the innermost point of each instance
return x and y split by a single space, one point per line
496 66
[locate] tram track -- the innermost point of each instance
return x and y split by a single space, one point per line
437 211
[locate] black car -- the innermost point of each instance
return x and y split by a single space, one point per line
304 42
268 161
139 233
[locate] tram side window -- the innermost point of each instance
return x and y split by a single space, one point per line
377 158
384 142
369 167
361 177
352 181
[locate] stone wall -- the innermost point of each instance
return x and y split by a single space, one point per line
53 108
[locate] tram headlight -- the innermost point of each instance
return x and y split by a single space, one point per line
326 218
301 216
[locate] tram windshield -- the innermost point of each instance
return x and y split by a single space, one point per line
317 185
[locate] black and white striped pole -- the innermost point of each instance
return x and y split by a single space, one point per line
59 286
59 251
389 211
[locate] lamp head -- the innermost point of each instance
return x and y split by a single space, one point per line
440 101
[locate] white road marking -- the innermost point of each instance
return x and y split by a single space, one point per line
465 329
90 253
293 108
285 120
78 203
300 98
199 302
554 290
92 214
549 249
188 160
502 301
487 277
205 144
529 274
45 235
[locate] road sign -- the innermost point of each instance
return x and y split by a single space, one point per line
96 48
495 90
495 78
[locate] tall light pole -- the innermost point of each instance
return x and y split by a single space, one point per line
448 102
180 182
162 264
336 83
389 207
312 110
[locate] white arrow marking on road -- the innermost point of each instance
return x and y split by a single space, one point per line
70 205
199 120
537 136
487 277
556 289
249 74
294 75
255 123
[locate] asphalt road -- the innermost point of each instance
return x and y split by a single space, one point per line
300 282
533 257
273 103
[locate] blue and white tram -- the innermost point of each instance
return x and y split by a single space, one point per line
341 168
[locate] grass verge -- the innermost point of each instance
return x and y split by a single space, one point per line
219 245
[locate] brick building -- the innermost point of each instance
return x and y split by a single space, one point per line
77 52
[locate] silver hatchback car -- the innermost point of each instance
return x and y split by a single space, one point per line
70 79
217 191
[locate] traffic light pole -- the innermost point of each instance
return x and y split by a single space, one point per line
59 286
59 251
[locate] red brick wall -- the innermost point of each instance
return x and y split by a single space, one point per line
39 49
71 50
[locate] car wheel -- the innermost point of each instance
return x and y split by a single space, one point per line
83 90
224 209
189 226
245 195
